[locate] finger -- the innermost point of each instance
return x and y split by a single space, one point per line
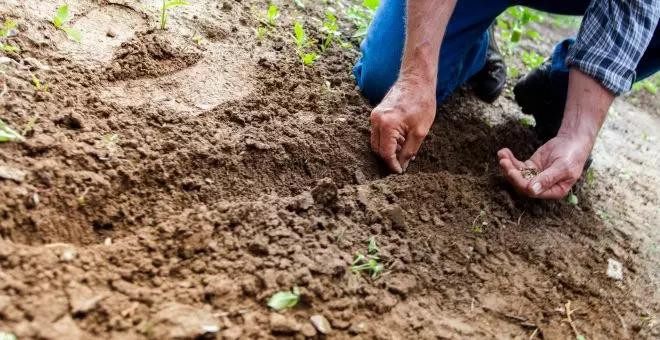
506 153
513 175
410 147
547 180
375 136
387 146
557 192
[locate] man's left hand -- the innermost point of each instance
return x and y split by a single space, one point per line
559 164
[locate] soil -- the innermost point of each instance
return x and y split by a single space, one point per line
169 188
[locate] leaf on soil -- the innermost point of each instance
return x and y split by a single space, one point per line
284 299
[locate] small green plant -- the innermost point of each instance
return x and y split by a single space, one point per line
532 59
513 24
260 32
590 176
30 125
361 16
284 299
62 17
7 336
299 3
167 4
647 85
571 199
476 227
8 134
526 121
273 14
603 215
370 262
330 28
300 39
5 32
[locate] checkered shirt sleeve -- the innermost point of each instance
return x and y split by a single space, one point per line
612 39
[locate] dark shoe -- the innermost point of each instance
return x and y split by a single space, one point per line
489 82
537 96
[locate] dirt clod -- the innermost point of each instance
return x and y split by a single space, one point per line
529 173
283 324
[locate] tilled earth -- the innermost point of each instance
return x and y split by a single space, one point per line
169 188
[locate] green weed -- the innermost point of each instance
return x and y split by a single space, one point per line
260 32
166 5
30 125
7 336
476 227
590 176
62 17
330 28
5 31
7 134
526 121
361 16
273 14
572 199
370 262
532 59
300 39
284 299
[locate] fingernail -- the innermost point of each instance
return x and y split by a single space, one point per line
536 188
405 166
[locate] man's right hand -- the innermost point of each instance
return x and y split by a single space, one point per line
402 120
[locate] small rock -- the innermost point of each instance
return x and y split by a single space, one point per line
108 241
325 191
68 255
481 247
438 222
282 324
12 174
614 269
358 328
232 333
340 324
424 215
395 214
360 178
110 34
321 323
304 201
179 321
308 330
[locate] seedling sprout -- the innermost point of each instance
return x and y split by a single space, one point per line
5 32
370 262
62 17
300 39
273 14
7 134
284 299
526 121
166 5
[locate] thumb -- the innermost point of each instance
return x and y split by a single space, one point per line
547 179
410 147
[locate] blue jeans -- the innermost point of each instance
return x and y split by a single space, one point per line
464 46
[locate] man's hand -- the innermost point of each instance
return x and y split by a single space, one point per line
401 121
559 162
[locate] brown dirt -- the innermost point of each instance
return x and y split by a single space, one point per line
172 188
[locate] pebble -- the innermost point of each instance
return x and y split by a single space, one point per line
481 247
308 330
321 323
282 324
12 174
360 178
614 269
68 255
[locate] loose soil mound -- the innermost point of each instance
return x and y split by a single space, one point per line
170 190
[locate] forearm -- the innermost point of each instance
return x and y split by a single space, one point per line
586 107
426 22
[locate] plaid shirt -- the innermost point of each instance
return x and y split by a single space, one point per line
612 40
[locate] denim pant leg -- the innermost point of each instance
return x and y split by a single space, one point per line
463 51
648 65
